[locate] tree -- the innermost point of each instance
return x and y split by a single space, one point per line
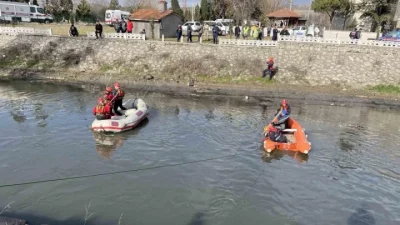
35 2
152 28
348 8
218 8
114 4
197 15
83 11
244 8
330 7
187 15
133 5
176 8
380 11
205 10
66 7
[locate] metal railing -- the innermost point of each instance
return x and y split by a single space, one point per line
119 36
25 30
259 43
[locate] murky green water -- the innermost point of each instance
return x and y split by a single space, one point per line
351 175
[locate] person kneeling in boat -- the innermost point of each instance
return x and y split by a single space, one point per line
275 135
102 111
119 93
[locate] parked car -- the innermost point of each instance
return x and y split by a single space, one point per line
302 31
298 31
223 27
195 25
391 36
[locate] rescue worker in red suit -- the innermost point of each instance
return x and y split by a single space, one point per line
108 94
102 111
270 68
119 93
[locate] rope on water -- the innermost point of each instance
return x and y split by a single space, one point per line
118 172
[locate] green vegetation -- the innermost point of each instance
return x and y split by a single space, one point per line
114 4
176 8
392 89
227 79
83 12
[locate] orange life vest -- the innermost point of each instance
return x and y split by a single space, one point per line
100 110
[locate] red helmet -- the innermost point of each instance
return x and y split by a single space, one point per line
116 84
284 102
100 100
109 89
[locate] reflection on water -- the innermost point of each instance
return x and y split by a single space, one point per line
108 143
45 135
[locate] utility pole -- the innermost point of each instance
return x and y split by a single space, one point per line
290 6
184 5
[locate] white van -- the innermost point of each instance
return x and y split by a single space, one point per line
23 12
223 26
113 15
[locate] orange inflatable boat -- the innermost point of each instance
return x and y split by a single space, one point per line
297 139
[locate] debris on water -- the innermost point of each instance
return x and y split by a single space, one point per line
247 97
332 104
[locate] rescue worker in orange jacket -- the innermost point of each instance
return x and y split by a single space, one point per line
102 111
270 68
119 96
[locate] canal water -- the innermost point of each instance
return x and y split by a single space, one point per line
194 161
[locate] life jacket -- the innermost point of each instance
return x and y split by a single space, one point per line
246 30
120 94
100 112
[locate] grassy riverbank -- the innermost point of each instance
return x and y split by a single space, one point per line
388 89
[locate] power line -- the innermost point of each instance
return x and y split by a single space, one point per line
118 172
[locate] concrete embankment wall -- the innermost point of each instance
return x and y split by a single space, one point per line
299 63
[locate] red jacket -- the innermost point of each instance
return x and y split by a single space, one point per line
130 26
270 64
102 110
109 96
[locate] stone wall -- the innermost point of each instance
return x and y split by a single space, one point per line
299 63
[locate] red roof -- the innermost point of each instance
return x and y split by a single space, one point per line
148 14
284 13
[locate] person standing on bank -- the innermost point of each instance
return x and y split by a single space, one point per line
129 27
201 31
119 96
275 34
99 30
189 34
237 32
215 31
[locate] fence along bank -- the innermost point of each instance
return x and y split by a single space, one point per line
23 12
